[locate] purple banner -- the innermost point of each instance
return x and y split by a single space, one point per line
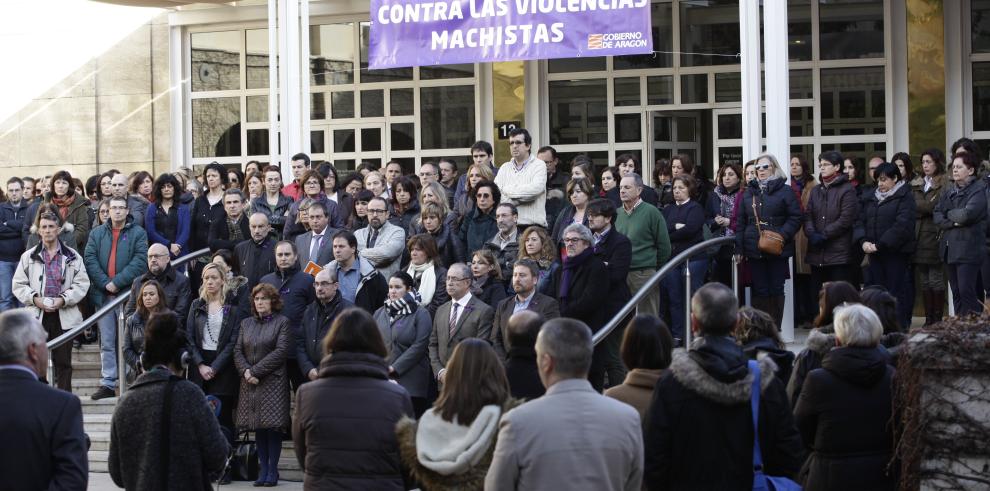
431 32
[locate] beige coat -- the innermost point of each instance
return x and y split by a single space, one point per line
29 281
637 390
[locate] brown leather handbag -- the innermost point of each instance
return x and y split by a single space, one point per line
771 242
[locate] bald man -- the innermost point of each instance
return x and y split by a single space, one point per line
135 204
520 361
256 257
178 295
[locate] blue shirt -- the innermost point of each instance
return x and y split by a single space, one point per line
348 280
523 305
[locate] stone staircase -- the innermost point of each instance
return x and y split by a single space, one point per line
97 415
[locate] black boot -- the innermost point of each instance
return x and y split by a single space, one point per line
938 305
777 310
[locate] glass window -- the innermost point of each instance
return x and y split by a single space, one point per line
981 96
850 29
564 65
401 102
694 88
257 142
627 128
343 140
663 40
446 117
660 90
386 75
855 101
663 128
981 26
372 103
216 60
729 126
257 108
728 87
626 91
599 160
371 139
463 70
316 143
798 30
331 54
317 105
342 105
216 127
256 59
711 28
403 136
578 112
802 121
801 84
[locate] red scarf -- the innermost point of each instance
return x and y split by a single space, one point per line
828 180
64 203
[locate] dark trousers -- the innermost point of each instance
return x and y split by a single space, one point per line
833 272
61 356
768 275
805 299
890 270
963 280
605 360
672 290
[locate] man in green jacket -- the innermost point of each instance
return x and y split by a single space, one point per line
114 257
645 227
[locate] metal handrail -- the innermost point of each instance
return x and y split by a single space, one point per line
666 269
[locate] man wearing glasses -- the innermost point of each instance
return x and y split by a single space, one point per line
464 316
381 242
177 292
523 180
115 256
316 322
428 172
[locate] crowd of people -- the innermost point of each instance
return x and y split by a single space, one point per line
313 286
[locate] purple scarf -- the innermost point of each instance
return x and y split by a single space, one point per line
572 263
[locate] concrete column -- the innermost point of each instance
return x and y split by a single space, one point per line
749 41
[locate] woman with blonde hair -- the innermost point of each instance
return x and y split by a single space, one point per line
452 444
211 331
476 174
535 244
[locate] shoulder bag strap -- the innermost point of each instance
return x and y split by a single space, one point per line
754 399
164 443
756 215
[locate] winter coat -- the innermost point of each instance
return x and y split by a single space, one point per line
692 216
565 218
372 287
890 224
137 208
178 294
408 217
132 258
255 260
182 231
219 236
12 219
580 287
523 374
440 295
961 216
407 339
77 216
782 357
29 282
386 255
699 428
449 244
203 217
263 346
832 211
344 425
197 448
224 382
492 291
476 228
925 232
463 453
637 389
134 341
616 252
845 418
276 215
803 194
779 212
315 326
296 289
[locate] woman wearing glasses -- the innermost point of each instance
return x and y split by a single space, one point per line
770 200
828 224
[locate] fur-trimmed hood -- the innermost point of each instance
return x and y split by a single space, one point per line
473 478
821 340
689 368
67 228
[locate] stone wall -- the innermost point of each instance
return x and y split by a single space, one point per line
111 112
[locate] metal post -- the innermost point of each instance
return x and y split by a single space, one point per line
687 304
735 274
121 365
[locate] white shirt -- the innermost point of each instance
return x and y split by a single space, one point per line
461 305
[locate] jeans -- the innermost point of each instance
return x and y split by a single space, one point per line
672 293
108 348
7 300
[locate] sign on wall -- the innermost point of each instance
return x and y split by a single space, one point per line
431 32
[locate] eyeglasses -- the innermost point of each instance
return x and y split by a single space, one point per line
572 240
157 256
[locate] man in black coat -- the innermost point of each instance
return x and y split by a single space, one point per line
525 275
698 433
256 257
178 295
520 363
316 322
615 250
44 446
296 289
233 229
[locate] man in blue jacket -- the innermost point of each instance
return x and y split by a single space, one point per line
296 289
12 213
115 256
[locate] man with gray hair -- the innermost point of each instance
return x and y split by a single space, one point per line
573 437
44 444
699 428
316 322
226 234
646 229
178 294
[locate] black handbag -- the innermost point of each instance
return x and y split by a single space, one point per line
244 463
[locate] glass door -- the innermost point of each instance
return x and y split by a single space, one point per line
346 145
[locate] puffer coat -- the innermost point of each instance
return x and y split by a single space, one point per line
925 232
779 212
262 346
961 215
888 224
832 211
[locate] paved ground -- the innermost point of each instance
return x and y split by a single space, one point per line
99 481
